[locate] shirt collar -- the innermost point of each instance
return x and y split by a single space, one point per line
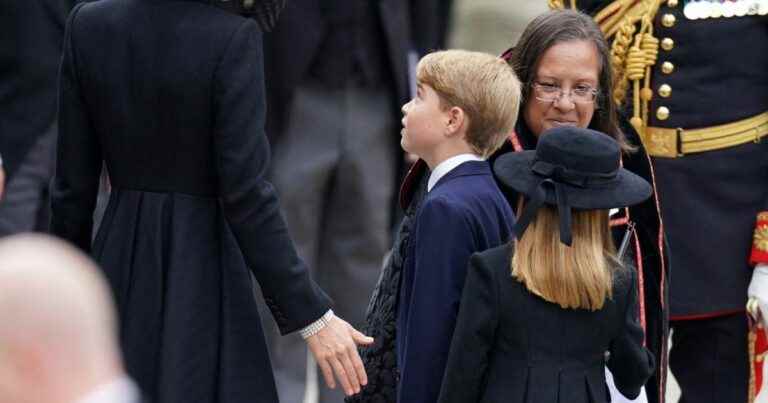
120 390
447 166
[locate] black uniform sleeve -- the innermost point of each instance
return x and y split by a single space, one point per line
473 337
630 363
78 160
249 202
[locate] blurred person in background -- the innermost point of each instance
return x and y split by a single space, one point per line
337 72
31 34
490 25
58 336
169 96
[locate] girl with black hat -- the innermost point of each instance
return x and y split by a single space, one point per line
537 315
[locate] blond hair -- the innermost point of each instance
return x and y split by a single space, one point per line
580 276
484 86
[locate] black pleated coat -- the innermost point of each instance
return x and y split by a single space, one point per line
646 251
170 95
511 346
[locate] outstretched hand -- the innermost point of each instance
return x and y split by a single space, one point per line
335 350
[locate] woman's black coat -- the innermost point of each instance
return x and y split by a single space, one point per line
512 346
170 95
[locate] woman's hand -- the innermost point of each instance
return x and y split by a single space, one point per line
335 350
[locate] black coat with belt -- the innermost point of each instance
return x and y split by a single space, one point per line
31 33
170 94
512 346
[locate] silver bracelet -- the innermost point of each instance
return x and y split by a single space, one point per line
317 325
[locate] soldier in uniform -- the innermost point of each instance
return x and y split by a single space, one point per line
693 76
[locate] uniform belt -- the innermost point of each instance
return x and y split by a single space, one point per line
673 143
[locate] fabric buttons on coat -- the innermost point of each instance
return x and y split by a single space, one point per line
665 90
667 44
668 20
667 68
662 113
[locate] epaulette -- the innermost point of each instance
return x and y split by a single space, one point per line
628 26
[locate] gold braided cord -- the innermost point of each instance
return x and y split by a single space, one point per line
610 17
619 50
650 46
634 51
751 341
647 47
559 4
555 4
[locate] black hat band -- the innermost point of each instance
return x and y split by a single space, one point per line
571 177
557 176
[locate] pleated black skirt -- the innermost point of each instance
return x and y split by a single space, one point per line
189 325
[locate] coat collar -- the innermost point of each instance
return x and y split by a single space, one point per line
468 168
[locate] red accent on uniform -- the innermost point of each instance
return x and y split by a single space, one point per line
515 141
708 315
760 252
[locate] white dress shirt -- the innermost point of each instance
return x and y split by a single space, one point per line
121 390
447 166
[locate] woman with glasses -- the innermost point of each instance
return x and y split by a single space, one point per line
563 61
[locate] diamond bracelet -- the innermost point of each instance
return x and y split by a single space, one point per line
317 325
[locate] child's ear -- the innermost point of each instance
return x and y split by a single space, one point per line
456 120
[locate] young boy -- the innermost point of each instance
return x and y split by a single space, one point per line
465 105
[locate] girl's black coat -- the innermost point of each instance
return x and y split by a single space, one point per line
512 346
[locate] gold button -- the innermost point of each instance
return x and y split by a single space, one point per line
665 90
662 113
667 44
667 67
668 20
672 3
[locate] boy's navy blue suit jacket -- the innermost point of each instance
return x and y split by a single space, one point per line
464 213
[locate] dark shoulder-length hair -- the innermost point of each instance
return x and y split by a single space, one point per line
557 26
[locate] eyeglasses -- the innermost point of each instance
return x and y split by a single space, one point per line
582 94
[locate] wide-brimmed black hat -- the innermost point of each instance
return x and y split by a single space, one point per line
570 168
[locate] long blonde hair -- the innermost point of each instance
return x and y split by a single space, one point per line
579 276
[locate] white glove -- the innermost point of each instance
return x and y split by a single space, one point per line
758 289
616 396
